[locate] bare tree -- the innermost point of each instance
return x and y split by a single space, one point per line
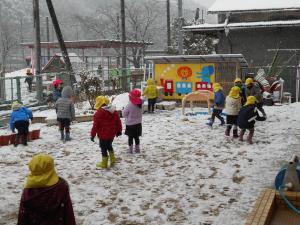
7 42
141 18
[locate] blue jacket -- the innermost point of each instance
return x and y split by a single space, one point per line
22 114
219 100
56 94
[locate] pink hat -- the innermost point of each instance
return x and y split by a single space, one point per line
135 97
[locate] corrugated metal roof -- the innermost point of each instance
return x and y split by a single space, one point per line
84 44
214 58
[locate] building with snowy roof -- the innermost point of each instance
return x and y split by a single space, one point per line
257 29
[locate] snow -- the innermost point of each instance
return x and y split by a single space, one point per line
243 25
187 173
249 5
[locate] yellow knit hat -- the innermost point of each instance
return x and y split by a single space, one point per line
234 92
237 80
42 172
16 105
216 87
251 100
248 81
100 101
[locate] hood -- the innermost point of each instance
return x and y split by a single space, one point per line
67 92
150 81
16 106
235 92
217 87
251 100
100 101
249 81
45 199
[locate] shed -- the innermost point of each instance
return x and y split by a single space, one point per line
182 74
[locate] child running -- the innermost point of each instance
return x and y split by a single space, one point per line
219 102
246 119
19 119
107 125
232 108
133 120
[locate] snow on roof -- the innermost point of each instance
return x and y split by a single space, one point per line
253 5
245 25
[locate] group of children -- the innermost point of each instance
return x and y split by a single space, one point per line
241 108
46 197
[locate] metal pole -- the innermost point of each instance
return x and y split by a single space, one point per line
48 36
18 89
298 83
124 77
180 35
37 48
168 24
70 77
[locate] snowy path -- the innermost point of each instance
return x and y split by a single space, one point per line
187 172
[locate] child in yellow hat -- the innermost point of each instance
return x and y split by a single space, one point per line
246 119
232 108
45 193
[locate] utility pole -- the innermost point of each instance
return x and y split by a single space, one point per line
180 35
48 37
118 38
298 83
124 70
168 24
37 48
70 76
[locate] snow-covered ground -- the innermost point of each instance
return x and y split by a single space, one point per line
187 173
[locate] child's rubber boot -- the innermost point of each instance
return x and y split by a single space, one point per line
241 135
210 123
112 158
68 138
137 149
130 150
250 136
25 137
62 135
17 141
235 133
222 121
227 131
103 163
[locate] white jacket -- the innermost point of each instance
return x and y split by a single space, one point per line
232 106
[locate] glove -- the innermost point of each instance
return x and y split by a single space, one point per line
119 134
93 139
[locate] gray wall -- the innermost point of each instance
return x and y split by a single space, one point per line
254 45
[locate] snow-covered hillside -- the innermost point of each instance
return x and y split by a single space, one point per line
187 173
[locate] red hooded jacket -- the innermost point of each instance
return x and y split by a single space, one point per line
47 206
106 124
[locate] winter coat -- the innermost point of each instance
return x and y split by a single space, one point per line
64 106
106 124
219 99
255 90
132 114
247 116
28 79
22 114
57 94
150 91
47 206
232 106
243 93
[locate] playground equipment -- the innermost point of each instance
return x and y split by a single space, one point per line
198 96
280 206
